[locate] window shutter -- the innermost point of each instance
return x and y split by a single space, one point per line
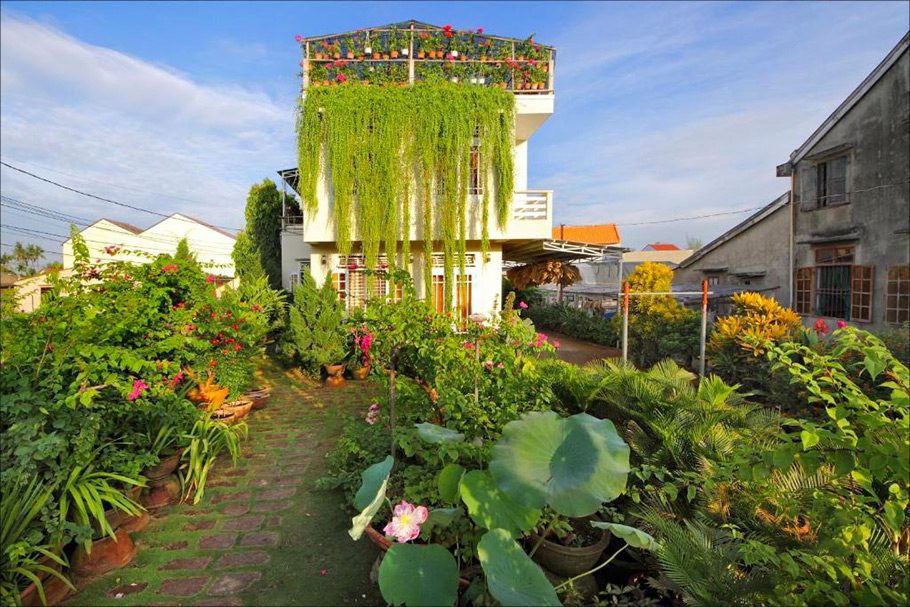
803 299
861 293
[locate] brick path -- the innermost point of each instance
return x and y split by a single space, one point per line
579 352
263 535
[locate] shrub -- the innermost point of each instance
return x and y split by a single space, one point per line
315 333
573 322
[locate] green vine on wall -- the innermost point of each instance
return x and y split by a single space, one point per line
382 147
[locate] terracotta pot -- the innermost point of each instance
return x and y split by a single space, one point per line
335 381
258 397
568 561
421 54
157 497
55 590
106 555
377 56
163 468
361 372
350 55
394 54
136 523
334 369
224 416
239 407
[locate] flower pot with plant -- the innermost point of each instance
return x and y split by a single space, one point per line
572 547
164 445
349 47
240 407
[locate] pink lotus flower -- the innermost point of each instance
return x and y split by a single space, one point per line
821 327
210 278
522 305
841 324
138 387
406 522
170 268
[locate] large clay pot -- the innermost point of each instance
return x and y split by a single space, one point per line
259 397
361 372
107 554
568 561
55 590
239 407
334 370
164 468
136 523
221 415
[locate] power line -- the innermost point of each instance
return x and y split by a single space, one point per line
107 183
18 205
675 219
101 198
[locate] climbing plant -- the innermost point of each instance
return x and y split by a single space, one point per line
258 248
384 149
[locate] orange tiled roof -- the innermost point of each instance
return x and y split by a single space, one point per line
663 246
604 233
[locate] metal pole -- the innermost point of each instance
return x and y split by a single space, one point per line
704 328
625 321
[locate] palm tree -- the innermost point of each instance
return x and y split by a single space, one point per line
24 259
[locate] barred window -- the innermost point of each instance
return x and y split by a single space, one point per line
897 295
803 299
340 284
861 293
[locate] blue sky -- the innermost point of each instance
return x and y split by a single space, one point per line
663 110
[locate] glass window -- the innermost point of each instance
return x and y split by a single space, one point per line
831 182
897 295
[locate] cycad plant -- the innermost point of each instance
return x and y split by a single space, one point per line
24 548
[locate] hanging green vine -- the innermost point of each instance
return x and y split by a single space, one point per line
382 149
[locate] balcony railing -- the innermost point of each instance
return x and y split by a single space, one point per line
530 205
399 56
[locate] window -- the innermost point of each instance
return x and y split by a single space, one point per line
803 299
475 185
340 284
295 280
897 295
832 281
861 293
713 280
831 182
463 295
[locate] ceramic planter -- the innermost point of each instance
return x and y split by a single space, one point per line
335 381
259 397
106 555
223 416
567 561
361 373
240 407
334 369
162 469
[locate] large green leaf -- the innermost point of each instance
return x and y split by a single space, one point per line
448 481
360 522
491 508
416 575
439 517
632 536
437 434
370 479
512 577
574 464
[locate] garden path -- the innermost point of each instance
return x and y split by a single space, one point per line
579 352
263 534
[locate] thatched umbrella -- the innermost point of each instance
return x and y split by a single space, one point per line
544 272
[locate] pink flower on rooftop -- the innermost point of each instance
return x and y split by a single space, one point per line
406 522
479 30
138 387
298 38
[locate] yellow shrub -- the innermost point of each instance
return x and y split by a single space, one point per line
652 277
755 320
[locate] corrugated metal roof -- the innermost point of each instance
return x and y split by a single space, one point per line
604 233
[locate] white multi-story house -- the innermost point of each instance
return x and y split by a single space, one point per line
309 242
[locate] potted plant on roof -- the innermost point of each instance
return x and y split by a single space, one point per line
349 47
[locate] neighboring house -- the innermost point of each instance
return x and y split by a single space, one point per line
30 290
7 280
668 257
211 245
603 233
750 256
309 242
661 246
851 204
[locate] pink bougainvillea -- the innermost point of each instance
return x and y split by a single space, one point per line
540 340
210 278
522 305
171 267
555 343
406 522
138 387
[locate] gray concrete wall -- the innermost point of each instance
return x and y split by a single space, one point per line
875 135
761 246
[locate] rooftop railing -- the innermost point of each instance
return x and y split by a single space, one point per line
401 56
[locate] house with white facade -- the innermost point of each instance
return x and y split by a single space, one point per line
211 245
309 241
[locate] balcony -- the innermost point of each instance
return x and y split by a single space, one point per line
409 52
531 218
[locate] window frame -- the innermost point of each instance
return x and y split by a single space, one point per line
897 277
824 181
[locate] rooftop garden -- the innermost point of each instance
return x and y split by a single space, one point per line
402 54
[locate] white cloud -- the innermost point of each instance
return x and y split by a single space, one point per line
109 118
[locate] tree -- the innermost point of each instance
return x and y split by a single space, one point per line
315 320
261 239
693 243
23 260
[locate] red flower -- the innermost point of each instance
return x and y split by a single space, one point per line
255 308
213 363
215 342
352 266
821 327
448 33
210 278
447 28
479 30
237 348
172 267
235 327
341 78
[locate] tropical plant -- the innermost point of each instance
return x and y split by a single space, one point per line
207 439
23 261
88 492
26 556
263 231
315 326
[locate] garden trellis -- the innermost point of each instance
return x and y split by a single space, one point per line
627 295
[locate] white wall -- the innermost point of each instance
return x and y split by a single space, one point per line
212 247
293 251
